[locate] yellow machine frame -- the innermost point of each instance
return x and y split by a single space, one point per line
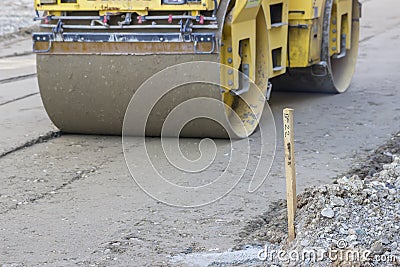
297 36
113 6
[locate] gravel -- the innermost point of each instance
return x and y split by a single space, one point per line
356 215
354 221
328 213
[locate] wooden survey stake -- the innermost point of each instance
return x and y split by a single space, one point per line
290 170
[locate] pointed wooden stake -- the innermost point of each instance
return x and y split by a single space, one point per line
291 197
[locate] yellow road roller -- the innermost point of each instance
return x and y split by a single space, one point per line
93 55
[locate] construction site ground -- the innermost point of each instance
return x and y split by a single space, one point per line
70 199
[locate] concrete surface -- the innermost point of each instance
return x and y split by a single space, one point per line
71 200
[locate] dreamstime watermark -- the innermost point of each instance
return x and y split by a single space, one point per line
189 100
340 253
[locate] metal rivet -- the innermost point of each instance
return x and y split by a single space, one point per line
230 71
230 83
333 39
334 22
334 30
229 60
229 49
334 48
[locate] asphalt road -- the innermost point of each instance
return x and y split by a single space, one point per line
71 200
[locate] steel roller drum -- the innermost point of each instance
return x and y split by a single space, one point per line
90 94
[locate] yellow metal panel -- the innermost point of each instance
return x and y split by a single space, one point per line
305 33
239 26
305 9
121 6
305 41
277 35
315 39
299 45
340 24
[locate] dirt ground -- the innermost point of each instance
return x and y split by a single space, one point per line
68 200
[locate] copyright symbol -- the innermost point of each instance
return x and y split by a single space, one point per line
341 243
182 100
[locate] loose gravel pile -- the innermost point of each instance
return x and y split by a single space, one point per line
352 222
354 216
